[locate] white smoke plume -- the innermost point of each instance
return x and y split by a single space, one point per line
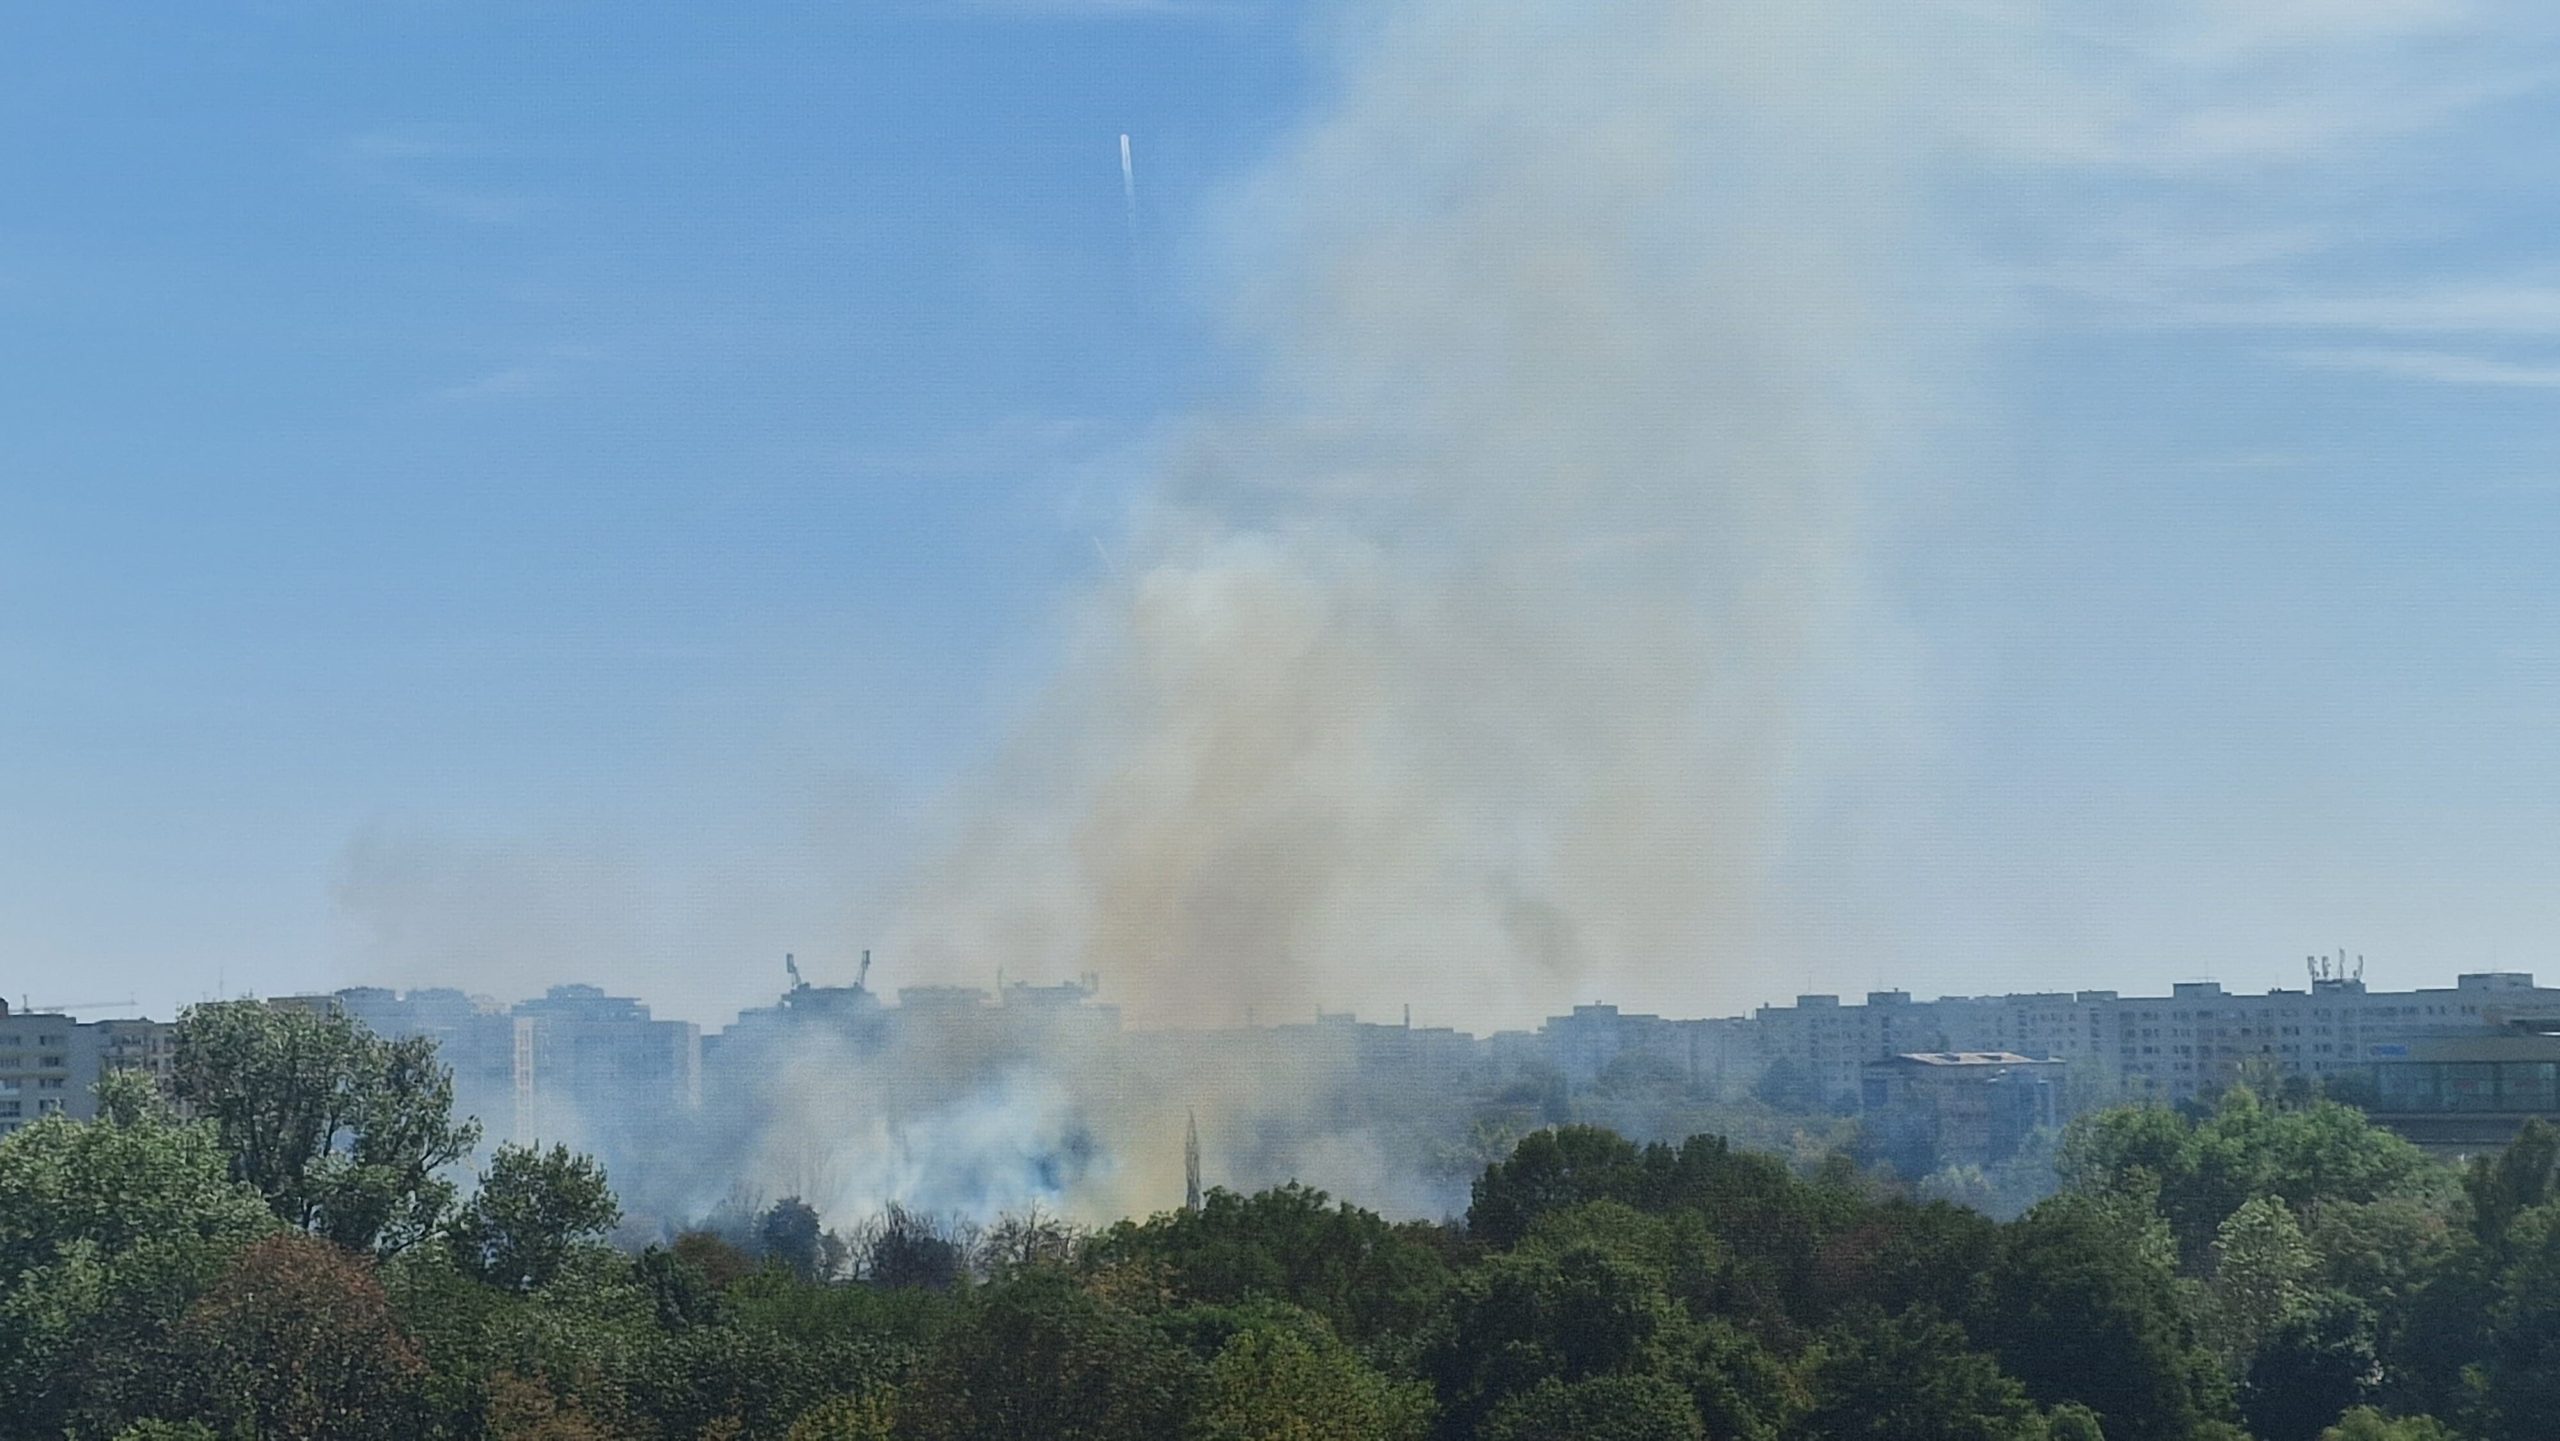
1529 631
1468 663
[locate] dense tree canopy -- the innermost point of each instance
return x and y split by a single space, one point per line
255 1271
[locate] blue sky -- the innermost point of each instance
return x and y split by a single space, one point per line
573 482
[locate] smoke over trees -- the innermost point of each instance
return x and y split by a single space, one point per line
1595 1287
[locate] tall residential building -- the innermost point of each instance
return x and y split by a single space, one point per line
574 1065
48 1063
2196 1039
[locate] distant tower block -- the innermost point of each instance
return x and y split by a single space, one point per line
1191 1163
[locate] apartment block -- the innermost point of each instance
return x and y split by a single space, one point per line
48 1063
2198 1038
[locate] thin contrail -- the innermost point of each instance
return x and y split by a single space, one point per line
1129 185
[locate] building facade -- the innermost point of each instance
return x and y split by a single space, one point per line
48 1065
2197 1039
1958 1108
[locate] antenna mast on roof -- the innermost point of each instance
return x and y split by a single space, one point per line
863 977
791 965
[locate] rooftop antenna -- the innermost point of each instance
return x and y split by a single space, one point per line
1191 1162
863 977
791 964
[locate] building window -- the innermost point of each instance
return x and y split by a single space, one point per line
2470 1086
2529 1085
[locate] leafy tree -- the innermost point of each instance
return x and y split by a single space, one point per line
1026 1240
1550 1170
1894 1256
1374 1282
342 1132
868 1417
524 1409
2435 1348
1279 1382
2380 1252
298 1343
1041 1360
2366 1424
1743 1393
1532 1316
2200 1170
680 1292
532 1208
758 1380
900 1248
2504 1186
570 1341
2262 1266
108 1232
2313 1364
789 1234
1601 1408
720 1262
2081 1308
2522 1370
1912 1378
773 1300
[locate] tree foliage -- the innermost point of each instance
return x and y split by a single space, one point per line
531 1210
1042 1360
1275 1381
2286 1266
298 1343
1372 1281
108 1232
342 1132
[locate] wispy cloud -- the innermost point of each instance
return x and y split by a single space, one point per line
2298 167
2524 308
545 372
430 168
2438 367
